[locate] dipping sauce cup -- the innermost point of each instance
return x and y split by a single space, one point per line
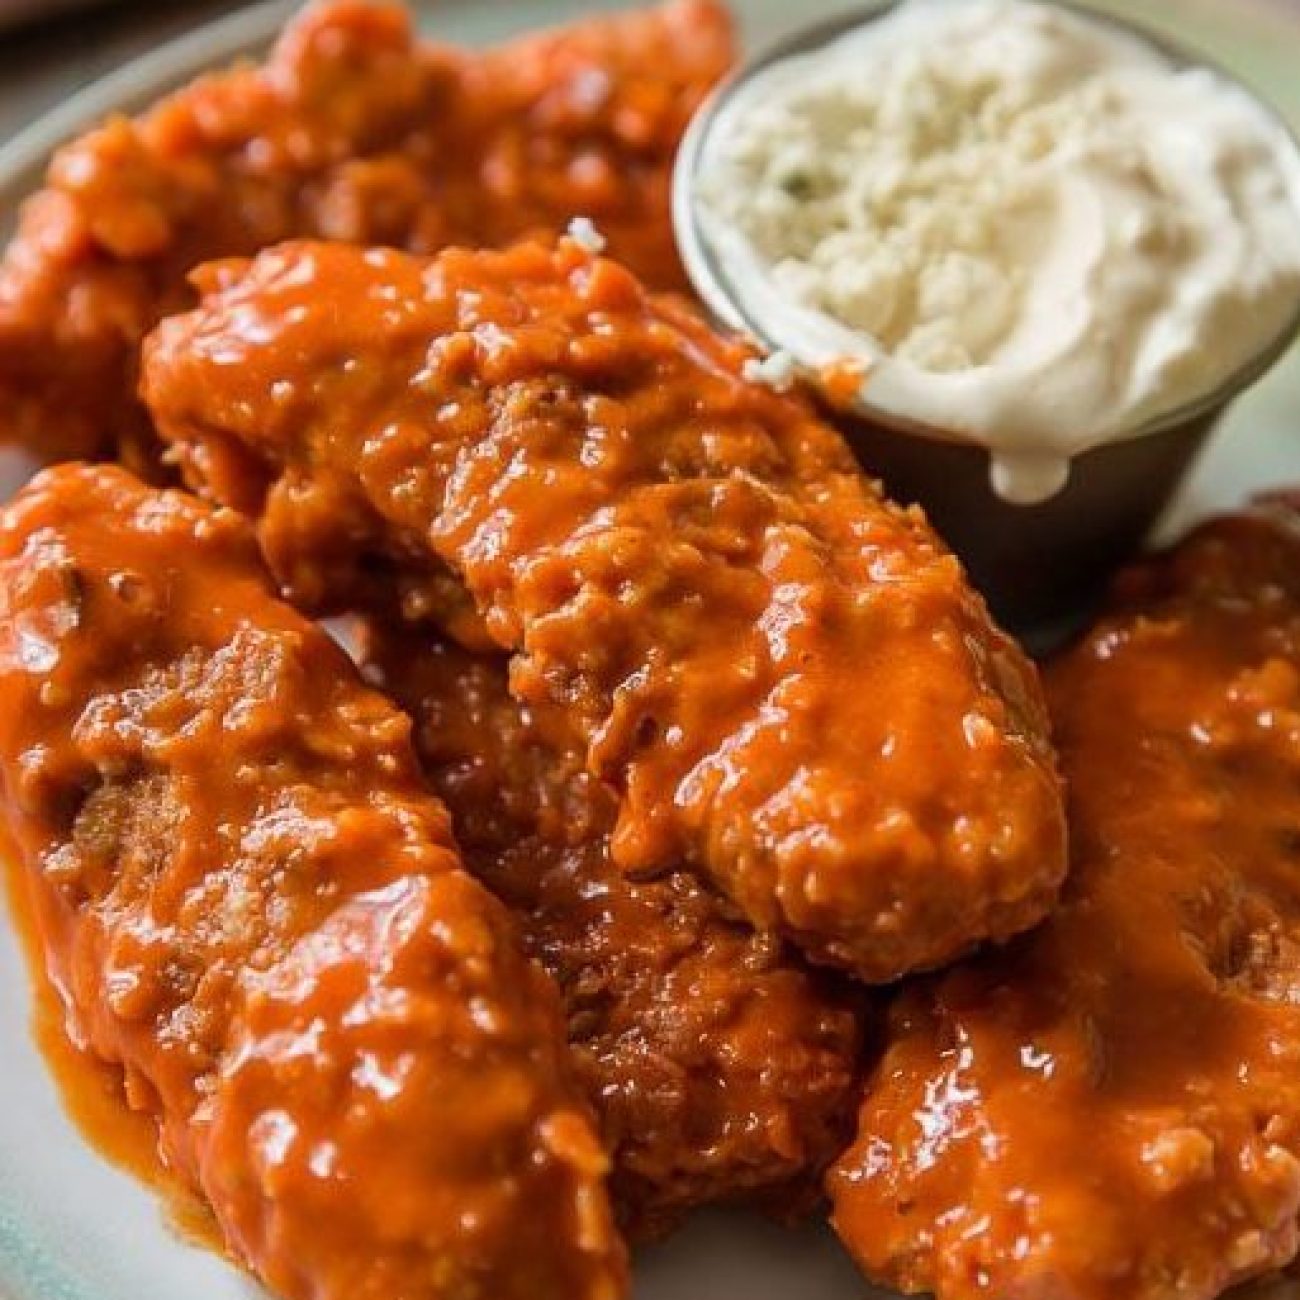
1037 563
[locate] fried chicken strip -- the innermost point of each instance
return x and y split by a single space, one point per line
1110 1110
721 1068
250 903
352 130
788 680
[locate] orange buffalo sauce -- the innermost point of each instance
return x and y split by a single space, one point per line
353 129
842 381
787 679
90 1089
252 904
1109 1109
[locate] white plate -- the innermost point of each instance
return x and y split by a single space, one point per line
74 1228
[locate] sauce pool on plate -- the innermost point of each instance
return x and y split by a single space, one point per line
90 1089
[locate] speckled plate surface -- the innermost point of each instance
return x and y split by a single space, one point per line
74 1228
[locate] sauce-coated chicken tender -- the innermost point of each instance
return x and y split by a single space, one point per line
1110 1110
353 130
788 680
251 904
721 1068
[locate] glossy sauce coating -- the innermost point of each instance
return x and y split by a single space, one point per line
352 130
91 1089
251 904
1111 1109
788 680
721 1068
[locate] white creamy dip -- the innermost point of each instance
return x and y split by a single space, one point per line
1037 232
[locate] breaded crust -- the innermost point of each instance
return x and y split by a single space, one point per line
788 680
721 1067
1111 1109
353 129
252 905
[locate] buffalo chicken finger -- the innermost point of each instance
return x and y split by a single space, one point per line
251 905
787 679
353 129
721 1068
1110 1110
